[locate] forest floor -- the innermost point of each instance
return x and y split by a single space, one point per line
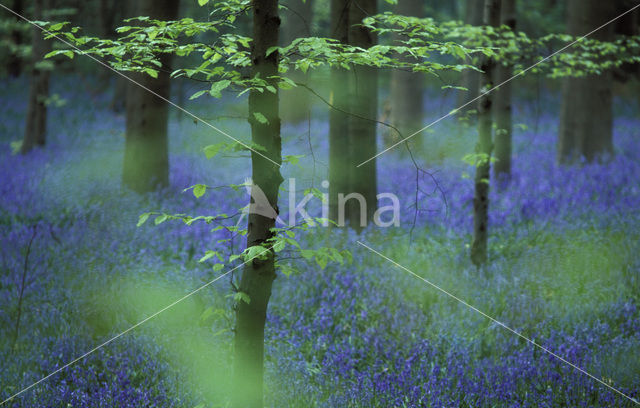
564 271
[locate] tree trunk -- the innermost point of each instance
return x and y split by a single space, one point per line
295 107
119 100
338 120
586 118
471 79
406 108
107 11
14 64
502 97
258 275
36 121
146 156
484 146
362 132
627 25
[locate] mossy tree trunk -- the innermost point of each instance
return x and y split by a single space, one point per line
14 62
258 275
484 146
299 14
339 162
471 79
35 132
503 109
146 156
586 118
406 105
363 101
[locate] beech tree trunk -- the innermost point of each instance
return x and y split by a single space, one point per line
362 132
36 121
406 106
484 146
146 156
471 79
258 275
503 111
586 119
107 22
299 14
14 62
339 162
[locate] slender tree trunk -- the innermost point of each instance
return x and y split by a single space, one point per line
14 64
258 275
362 132
36 122
407 90
119 100
502 97
295 107
338 120
586 119
146 156
471 79
627 25
107 10
484 146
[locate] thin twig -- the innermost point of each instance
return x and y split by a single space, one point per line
22 285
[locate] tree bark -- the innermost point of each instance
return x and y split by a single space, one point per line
502 97
484 146
339 120
146 156
14 64
471 79
36 121
107 20
295 107
407 106
258 275
362 132
586 119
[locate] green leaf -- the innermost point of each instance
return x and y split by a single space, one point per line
143 218
207 255
260 118
293 158
279 246
286 83
217 267
151 72
241 296
321 260
218 87
306 253
212 150
197 95
199 190
255 251
57 26
203 2
160 219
